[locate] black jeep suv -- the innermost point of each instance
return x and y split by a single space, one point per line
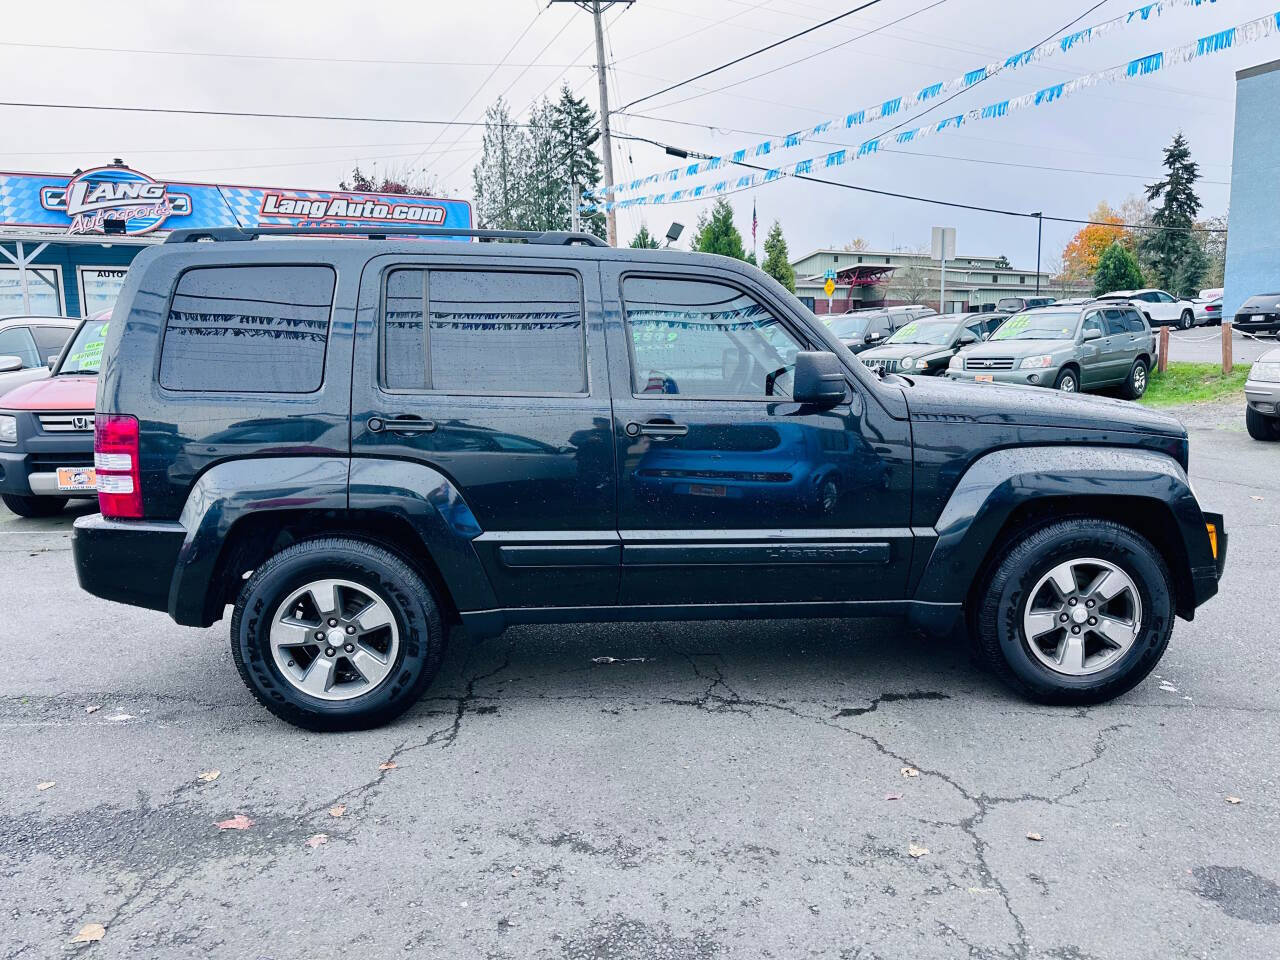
357 442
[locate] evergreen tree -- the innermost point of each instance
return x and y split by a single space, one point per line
644 240
575 127
1117 270
717 234
500 175
544 193
1176 259
777 261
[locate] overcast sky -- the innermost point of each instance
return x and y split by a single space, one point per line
1103 144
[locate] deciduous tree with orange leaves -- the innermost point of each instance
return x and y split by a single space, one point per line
1081 254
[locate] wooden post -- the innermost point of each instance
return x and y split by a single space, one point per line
1164 349
1226 347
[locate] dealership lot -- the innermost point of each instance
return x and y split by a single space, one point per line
725 789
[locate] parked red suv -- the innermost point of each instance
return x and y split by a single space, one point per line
46 429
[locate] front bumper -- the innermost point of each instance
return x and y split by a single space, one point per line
128 561
1038 377
1205 579
1263 396
30 467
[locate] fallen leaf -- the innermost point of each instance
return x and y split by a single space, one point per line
90 933
317 839
338 810
45 785
1034 836
910 772
893 796
389 765
238 822
1233 800
121 716
917 851
93 708
209 776
1254 498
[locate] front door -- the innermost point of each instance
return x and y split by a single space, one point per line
728 492
491 372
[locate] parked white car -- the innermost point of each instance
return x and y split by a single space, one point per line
1161 309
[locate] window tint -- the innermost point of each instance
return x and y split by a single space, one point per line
1115 321
489 332
257 329
1136 323
17 342
701 339
49 340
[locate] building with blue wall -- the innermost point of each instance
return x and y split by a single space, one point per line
1253 226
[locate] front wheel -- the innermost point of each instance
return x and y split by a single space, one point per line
1136 385
1077 612
1068 381
33 506
1260 426
1187 320
336 634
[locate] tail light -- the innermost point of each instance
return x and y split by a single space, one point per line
115 460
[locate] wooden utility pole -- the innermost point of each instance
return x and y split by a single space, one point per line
1164 349
597 8
1227 359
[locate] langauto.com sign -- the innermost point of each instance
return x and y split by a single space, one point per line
355 207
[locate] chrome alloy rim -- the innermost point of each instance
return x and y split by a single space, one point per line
334 639
1082 616
1068 384
1140 379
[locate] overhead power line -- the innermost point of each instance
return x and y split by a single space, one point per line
754 53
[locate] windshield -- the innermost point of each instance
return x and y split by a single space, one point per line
937 332
849 326
1046 325
84 355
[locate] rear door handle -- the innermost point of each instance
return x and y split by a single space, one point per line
401 425
656 428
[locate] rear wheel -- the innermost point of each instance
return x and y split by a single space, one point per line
1260 426
33 506
1136 385
1068 381
336 634
1077 612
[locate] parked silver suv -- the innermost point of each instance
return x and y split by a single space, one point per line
1069 348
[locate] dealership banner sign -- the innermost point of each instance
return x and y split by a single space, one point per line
116 199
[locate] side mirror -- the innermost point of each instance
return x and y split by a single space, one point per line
966 339
9 364
819 378
871 337
1092 333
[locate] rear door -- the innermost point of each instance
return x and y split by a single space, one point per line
1118 352
728 492
491 370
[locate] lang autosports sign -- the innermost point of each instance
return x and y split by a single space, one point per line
118 199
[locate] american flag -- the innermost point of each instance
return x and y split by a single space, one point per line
754 222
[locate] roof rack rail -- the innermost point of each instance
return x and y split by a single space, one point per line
228 234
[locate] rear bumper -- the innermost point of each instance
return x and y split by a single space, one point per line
128 561
1261 323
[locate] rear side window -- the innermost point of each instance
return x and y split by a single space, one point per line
248 329
1134 319
488 332
1115 321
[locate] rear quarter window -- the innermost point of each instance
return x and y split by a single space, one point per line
257 329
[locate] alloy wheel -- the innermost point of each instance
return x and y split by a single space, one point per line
1082 616
1067 384
1140 379
334 639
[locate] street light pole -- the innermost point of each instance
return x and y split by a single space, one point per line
1039 235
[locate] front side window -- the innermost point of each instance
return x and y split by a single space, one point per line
488 332
695 338
17 342
1094 322
254 329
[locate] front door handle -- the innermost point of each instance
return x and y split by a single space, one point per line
658 429
401 425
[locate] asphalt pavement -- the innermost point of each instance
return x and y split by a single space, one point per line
739 789
1204 345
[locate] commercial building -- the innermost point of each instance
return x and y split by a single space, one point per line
1253 254
66 240
874 278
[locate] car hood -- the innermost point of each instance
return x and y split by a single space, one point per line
960 401
69 392
1262 303
1017 348
16 378
900 351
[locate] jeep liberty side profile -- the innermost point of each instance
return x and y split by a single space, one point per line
359 441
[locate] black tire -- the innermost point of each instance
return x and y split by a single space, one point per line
1136 385
1068 380
33 506
412 603
999 636
1187 320
1259 425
